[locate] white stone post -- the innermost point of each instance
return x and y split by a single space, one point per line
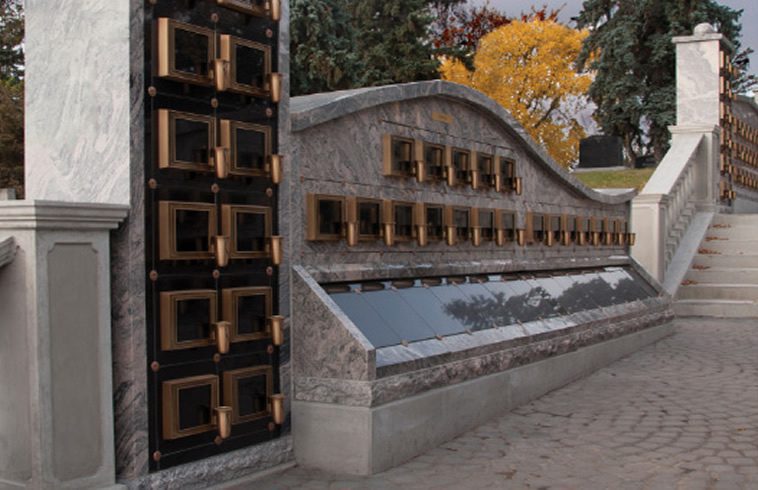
56 408
649 223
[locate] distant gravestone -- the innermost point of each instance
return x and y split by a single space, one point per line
601 151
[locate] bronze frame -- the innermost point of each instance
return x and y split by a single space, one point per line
168 305
443 164
404 238
228 131
434 238
230 308
388 156
228 47
231 392
451 227
313 218
229 229
502 213
239 6
483 184
354 216
478 223
170 404
166 59
167 140
465 171
167 219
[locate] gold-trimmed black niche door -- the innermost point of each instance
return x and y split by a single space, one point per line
212 172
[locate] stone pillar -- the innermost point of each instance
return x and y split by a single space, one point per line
650 248
56 411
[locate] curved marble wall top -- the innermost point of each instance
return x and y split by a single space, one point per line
312 110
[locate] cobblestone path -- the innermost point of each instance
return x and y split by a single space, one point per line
681 414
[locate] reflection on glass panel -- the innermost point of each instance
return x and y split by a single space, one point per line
329 217
192 231
252 395
251 232
429 306
461 221
193 319
251 149
191 140
487 224
251 314
250 66
509 225
402 156
191 52
577 295
486 170
369 221
396 312
403 221
366 319
194 406
461 166
541 300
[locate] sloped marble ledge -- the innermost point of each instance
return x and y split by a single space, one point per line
7 251
54 215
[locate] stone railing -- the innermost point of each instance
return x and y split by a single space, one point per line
667 207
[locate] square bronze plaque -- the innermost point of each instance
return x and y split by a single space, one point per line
250 65
249 228
185 140
187 318
185 52
188 406
250 146
248 391
248 310
186 230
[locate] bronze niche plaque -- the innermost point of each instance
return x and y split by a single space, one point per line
186 230
185 141
189 405
248 391
250 65
187 319
249 229
250 147
248 310
185 52
326 217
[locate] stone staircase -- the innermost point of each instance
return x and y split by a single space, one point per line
723 279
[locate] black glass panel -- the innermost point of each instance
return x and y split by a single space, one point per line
192 230
251 149
487 224
367 319
625 287
429 306
330 217
577 293
479 310
486 170
541 299
251 232
519 304
508 301
194 407
369 218
191 52
191 141
403 221
250 66
506 169
435 161
252 395
399 315
461 223
434 222
602 292
193 320
251 314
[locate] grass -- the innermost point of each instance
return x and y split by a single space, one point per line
619 179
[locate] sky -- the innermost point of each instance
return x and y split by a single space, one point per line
572 8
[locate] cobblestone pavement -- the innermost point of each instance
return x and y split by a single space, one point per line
681 414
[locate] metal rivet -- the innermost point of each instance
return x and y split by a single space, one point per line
216 358
270 192
152 91
269 112
157 456
269 271
269 33
271 427
214 102
214 17
270 349
218 441
155 366
216 274
152 183
215 188
153 276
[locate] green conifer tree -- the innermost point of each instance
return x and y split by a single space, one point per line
11 95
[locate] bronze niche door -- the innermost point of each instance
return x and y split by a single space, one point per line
212 245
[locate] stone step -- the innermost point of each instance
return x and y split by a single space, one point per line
706 291
716 308
731 247
736 219
734 233
724 275
726 261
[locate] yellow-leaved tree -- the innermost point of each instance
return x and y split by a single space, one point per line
528 67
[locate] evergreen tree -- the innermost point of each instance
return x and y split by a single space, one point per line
11 95
630 50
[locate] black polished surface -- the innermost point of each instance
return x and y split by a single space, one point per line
390 315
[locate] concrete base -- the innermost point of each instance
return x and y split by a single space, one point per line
363 441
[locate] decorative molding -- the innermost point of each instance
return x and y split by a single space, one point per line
52 215
7 251
313 110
